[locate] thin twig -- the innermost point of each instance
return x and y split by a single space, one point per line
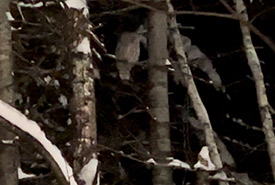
144 6
261 13
211 14
234 16
115 12
252 28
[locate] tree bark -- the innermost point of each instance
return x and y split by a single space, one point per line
254 64
188 82
9 157
83 101
158 96
83 106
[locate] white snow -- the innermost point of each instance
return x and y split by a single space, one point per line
63 100
84 46
78 4
30 5
47 79
178 163
204 156
21 121
69 121
23 175
9 16
88 172
151 161
7 141
56 84
167 62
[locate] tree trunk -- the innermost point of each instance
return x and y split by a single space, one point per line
254 64
9 158
83 101
188 82
158 96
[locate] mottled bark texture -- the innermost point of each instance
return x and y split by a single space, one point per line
83 106
188 82
158 96
83 101
255 67
9 158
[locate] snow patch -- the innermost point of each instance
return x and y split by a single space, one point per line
7 141
204 161
30 5
78 4
23 175
63 100
47 79
178 163
9 16
151 161
84 46
88 172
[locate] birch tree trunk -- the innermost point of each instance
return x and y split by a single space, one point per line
254 64
158 96
9 158
188 82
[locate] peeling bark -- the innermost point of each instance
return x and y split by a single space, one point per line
255 67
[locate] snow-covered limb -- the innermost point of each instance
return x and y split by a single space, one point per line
30 5
19 120
151 161
179 164
88 172
23 175
173 163
204 161
78 4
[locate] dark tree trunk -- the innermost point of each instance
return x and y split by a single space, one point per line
158 97
9 158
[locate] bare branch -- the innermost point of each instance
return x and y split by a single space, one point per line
210 14
252 28
255 67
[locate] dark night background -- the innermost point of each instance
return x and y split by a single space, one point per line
219 38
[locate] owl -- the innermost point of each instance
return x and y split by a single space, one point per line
127 53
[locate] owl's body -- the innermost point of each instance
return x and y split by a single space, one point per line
127 53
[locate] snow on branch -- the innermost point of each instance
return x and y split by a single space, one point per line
23 175
78 4
204 161
17 119
174 163
89 171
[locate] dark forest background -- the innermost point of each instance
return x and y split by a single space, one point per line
122 119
